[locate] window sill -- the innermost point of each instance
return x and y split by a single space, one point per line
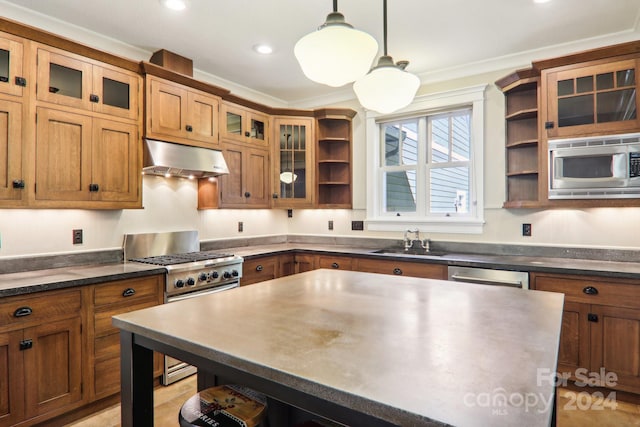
430 225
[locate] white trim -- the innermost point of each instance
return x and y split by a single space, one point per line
471 96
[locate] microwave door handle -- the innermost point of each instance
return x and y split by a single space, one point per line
619 165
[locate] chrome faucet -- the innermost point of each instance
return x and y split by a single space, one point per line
416 242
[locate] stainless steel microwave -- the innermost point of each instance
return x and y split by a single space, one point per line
595 167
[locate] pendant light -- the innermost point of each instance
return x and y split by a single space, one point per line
335 54
387 87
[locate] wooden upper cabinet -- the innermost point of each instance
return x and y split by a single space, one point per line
181 114
80 158
247 184
294 170
12 180
333 159
12 74
66 79
594 98
244 125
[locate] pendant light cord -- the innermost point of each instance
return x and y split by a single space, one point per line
335 5
384 28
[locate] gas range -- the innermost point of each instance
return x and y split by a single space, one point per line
188 269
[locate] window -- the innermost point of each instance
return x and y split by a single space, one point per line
425 168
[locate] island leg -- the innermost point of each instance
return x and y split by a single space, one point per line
136 383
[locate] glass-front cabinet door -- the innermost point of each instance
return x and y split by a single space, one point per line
592 99
293 179
66 79
12 79
244 125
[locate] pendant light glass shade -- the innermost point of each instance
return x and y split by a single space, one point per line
335 54
387 88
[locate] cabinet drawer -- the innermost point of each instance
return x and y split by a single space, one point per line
107 346
102 320
591 290
259 269
400 268
42 307
129 291
334 262
107 376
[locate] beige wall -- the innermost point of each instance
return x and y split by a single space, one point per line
171 204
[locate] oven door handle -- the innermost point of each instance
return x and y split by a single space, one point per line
202 293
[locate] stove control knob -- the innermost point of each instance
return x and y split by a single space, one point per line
215 275
226 275
179 283
190 281
235 273
202 277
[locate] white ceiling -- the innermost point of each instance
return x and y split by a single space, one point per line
438 37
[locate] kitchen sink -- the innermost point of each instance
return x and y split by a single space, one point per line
401 251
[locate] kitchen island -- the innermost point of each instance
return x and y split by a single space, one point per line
361 348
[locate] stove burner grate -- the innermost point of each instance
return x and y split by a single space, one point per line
182 258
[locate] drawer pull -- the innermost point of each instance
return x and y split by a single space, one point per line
22 312
26 344
259 267
335 265
590 290
592 317
397 271
129 292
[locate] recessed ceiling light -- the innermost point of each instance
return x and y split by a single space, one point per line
263 49
541 1
174 4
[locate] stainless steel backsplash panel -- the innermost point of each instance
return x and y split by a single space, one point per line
153 244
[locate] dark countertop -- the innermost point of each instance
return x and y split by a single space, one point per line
56 278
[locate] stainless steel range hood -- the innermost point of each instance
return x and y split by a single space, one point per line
169 159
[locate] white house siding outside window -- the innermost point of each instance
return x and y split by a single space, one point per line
424 164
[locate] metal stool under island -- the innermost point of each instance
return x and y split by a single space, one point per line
224 406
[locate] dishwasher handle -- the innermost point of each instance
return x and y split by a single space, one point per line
460 278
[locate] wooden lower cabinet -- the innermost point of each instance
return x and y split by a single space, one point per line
273 266
40 356
600 327
107 300
334 262
401 268
260 269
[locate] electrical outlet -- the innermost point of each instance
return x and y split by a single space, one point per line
289 213
357 225
77 237
526 230
240 226
330 224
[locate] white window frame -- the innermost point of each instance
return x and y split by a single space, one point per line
469 223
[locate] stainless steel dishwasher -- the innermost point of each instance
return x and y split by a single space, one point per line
486 276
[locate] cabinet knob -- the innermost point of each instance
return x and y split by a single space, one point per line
247 134
259 268
4 79
335 265
590 290
94 187
592 317
94 98
189 128
128 292
21 81
18 183
22 312
397 271
26 344
275 195
549 125
247 194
